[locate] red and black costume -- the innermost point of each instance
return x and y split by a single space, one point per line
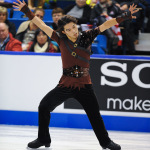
74 83
76 54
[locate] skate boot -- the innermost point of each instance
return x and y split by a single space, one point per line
36 144
112 146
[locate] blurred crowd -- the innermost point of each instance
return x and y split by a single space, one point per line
89 14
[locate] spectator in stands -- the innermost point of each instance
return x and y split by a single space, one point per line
7 42
129 2
3 18
92 3
99 14
105 7
7 4
137 24
26 30
128 28
41 43
32 4
147 28
131 29
57 13
81 11
50 4
124 3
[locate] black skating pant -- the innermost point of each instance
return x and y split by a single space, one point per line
86 97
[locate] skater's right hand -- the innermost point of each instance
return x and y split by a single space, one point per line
19 4
133 9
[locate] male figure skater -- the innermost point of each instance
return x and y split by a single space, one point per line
75 82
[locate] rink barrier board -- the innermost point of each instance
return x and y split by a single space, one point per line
66 120
125 57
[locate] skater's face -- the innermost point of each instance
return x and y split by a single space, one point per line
71 31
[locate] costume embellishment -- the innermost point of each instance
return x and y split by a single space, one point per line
76 71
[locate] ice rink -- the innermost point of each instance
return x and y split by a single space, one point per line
17 137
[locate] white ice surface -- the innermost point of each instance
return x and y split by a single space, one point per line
17 138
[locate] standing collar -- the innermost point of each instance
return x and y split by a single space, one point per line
6 40
3 44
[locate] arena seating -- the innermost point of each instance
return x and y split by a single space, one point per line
18 17
98 47
48 15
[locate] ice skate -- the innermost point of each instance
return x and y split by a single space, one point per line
112 146
36 144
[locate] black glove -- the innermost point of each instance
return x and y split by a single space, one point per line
124 16
25 9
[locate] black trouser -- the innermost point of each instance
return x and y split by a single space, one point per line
86 97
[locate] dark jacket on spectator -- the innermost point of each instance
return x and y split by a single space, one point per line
22 30
112 11
86 14
129 2
12 27
13 44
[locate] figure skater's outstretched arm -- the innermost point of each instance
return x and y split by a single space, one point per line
24 8
119 19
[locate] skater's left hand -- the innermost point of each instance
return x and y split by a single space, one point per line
133 9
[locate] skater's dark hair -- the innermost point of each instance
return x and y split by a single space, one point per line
63 21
